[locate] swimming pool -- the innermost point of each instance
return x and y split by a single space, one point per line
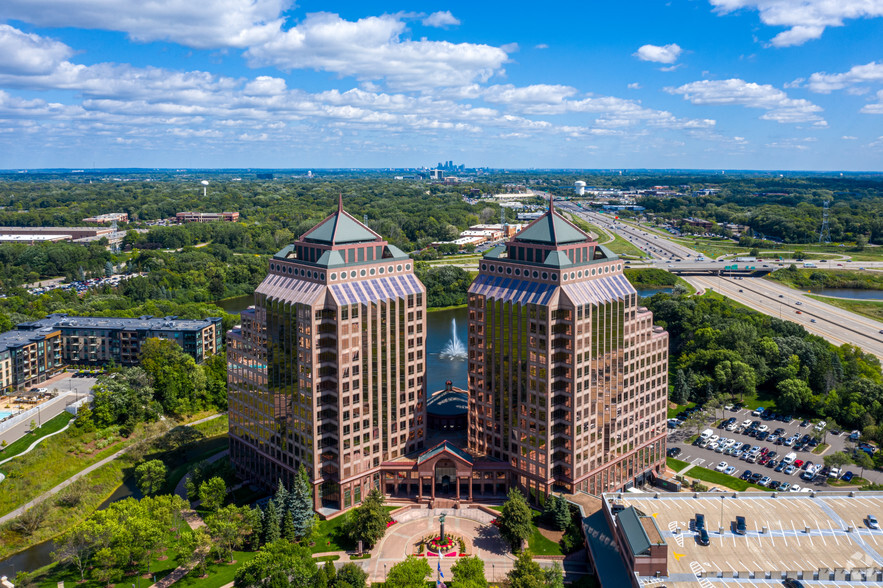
4 414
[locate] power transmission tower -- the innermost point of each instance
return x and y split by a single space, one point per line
825 231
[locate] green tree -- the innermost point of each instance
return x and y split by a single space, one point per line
795 395
213 492
468 572
231 527
288 527
368 523
281 564
76 546
515 520
151 476
351 575
860 242
837 459
682 389
736 377
410 573
300 504
271 523
526 573
863 460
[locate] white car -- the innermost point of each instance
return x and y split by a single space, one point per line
738 445
746 423
722 466
795 488
714 439
872 523
820 425
730 470
730 443
762 429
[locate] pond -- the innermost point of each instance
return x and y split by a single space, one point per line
850 293
647 292
236 304
41 554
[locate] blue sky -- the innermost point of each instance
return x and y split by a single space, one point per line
728 84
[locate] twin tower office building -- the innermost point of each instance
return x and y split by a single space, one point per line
567 376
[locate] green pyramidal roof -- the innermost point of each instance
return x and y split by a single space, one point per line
339 228
552 229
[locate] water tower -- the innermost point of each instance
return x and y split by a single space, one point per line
579 187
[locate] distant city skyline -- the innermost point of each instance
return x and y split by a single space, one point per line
710 84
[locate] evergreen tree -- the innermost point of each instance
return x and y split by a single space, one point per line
272 524
351 575
300 503
562 514
281 499
681 391
515 520
330 572
288 527
258 518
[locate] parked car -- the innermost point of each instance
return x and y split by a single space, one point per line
741 529
872 522
674 452
722 466
764 481
847 477
745 475
699 521
792 583
703 538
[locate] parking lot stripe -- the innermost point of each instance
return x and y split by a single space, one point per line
822 535
796 534
835 536
784 538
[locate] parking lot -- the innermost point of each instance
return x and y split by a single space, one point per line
708 458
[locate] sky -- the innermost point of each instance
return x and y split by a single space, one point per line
699 84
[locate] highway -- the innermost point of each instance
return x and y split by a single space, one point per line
834 324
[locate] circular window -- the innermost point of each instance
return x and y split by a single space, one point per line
572 276
517 272
536 274
321 276
508 271
381 270
363 273
303 272
593 271
545 276
580 274
389 269
408 267
333 276
619 267
371 271
484 267
309 273
554 277
272 267
607 269
353 274
398 268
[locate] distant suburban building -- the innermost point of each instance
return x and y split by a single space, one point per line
79 235
36 350
29 357
206 217
120 217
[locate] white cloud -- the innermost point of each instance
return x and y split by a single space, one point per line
849 138
874 108
858 74
544 94
541 46
203 24
634 86
28 54
659 54
441 19
798 143
806 19
778 105
372 49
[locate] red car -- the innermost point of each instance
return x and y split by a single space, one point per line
798 463
798 312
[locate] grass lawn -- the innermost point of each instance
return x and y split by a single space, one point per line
822 448
537 543
331 535
50 576
675 464
438 308
673 412
870 308
51 426
721 479
218 573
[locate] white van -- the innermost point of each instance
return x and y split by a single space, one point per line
789 459
706 434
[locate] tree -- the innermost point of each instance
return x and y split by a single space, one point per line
231 527
526 573
515 520
837 459
410 573
795 395
557 512
368 523
300 504
736 377
288 527
681 390
271 524
212 493
351 575
151 476
468 572
281 564
77 546
863 460
860 242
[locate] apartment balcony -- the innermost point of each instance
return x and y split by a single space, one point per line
561 416
327 341
561 344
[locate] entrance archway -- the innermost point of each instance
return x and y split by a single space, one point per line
445 474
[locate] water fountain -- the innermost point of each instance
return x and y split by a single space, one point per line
455 348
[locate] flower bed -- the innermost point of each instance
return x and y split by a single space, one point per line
441 547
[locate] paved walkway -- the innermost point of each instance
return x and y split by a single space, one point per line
84 472
181 488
